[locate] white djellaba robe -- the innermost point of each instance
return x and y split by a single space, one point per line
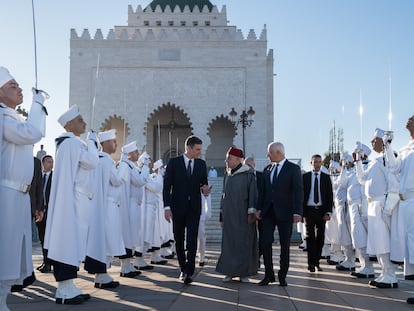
111 190
71 206
153 189
374 180
131 204
16 167
342 211
331 226
357 208
404 165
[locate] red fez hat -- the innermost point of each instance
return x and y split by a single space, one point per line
235 152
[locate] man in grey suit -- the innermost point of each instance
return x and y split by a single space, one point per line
279 204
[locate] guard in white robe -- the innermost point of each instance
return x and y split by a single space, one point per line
358 217
378 243
332 227
106 230
131 200
404 166
16 171
204 217
71 206
153 206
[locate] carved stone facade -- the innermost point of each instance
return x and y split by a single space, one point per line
171 72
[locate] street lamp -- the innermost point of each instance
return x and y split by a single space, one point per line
246 119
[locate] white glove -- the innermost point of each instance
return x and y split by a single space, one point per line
94 138
386 139
38 97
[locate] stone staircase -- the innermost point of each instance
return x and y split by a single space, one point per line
213 227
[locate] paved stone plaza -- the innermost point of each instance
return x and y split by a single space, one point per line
161 290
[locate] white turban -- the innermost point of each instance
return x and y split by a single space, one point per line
132 146
5 76
69 115
107 135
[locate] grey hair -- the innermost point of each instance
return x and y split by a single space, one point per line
276 146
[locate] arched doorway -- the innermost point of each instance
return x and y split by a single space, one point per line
168 127
222 133
118 123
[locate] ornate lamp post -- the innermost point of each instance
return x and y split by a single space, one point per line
245 119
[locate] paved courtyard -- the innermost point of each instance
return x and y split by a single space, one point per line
160 289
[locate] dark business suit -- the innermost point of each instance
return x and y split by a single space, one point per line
278 202
314 215
41 225
182 194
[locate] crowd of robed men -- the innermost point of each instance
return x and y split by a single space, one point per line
95 209
86 179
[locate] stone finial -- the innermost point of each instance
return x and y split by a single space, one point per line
73 34
186 9
158 9
251 35
130 9
98 34
214 10
111 35
123 35
162 35
150 35
224 9
263 35
205 9
239 35
139 9
177 9
196 9
167 9
85 34
137 35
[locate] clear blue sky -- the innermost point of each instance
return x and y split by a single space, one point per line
326 52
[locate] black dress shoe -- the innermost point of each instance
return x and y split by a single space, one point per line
188 279
342 268
71 301
362 275
311 268
144 268
161 262
26 282
131 274
331 262
282 282
46 268
170 256
112 284
85 296
266 281
383 285
410 300
318 268
40 267
409 277
201 264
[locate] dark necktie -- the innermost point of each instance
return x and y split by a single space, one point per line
275 174
189 169
316 189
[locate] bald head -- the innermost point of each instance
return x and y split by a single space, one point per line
276 151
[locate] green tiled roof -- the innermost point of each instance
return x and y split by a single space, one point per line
181 4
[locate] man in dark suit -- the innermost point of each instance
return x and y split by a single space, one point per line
47 164
317 207
279 204
184 180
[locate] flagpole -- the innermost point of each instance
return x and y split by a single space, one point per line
159 140
124 116
361 111
389 106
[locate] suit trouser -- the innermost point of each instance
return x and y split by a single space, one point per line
315 229
41 229
186 224
267 229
